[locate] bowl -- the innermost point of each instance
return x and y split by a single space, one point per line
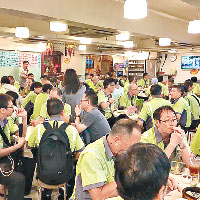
191 193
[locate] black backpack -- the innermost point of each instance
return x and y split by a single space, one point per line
55 158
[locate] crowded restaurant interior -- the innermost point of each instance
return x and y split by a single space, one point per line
100 100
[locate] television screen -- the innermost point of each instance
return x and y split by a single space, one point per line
190 62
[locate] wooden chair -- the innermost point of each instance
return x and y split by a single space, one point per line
41 185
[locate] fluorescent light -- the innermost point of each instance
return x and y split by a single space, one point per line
123 36
82 47
41 46
135 9
129 54
164 41
194 27
58 27
22 32
128 44
85 40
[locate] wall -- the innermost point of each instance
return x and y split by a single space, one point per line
182 75
77 62
9 44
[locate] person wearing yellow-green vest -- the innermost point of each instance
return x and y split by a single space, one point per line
166 135
137 173
14 82
55 93
37 87
181 106
131 80
130 99
40 100
193 102
195 144
94 83
146 114
95 167
106 102
165 91
144 82
195 87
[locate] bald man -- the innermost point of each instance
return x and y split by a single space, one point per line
129 98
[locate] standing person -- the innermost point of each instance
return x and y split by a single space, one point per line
195 87
23 75
15 182
94 121
72 90
95 167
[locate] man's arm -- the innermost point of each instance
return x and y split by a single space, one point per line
7 151
80 127
22 113
104 192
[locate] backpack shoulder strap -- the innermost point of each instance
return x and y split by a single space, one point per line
47 125
63 127
4 137
196 98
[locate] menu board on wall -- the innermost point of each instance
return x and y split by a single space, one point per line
9 59
34 59
15 59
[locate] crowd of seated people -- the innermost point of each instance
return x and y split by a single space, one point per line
107 148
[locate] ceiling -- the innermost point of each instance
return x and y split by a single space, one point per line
103 37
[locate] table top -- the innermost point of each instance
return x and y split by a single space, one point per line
119 112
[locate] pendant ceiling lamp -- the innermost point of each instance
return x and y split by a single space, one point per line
135 9
22 32
194 27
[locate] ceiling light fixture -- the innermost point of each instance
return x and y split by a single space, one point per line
85 40
123 36
82 47
164 42
22 32
58 27
194 27
135 9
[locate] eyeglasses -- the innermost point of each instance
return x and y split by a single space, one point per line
84 100
169 121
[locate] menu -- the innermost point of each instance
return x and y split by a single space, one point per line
9 59
15 59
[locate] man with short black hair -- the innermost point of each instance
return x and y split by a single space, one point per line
195 87
144 82
15 182
166 135
137 173
94 121
106 101
95 167
146 114
181 106
23 74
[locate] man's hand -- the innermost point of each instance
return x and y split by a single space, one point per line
172 184
177 136
111 100
35 122
78 110
21 141
21 112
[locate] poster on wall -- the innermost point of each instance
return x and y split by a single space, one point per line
34 59
9 59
